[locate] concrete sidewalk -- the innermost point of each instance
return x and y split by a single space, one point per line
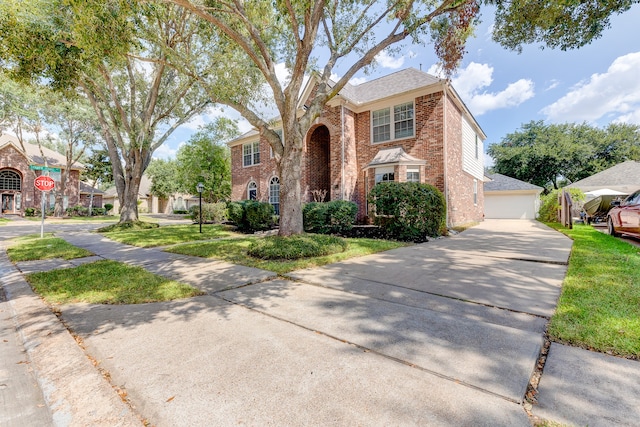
444 333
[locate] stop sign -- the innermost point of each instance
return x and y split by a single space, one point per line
44 183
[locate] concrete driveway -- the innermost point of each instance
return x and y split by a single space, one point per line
443 333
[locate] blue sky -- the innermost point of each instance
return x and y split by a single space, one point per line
597 84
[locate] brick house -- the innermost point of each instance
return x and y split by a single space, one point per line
17 177
406 126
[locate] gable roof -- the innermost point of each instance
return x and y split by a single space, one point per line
51 157
499 182
623 177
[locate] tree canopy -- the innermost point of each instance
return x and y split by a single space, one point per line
205 158
549 154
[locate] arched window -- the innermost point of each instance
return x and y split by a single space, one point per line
10 180
274 193
252 191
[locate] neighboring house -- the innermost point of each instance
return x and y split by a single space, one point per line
623 177
148 203
407 126
19 169
506 197
85 195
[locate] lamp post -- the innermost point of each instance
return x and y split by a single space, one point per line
200 187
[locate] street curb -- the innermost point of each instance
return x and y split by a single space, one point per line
74 390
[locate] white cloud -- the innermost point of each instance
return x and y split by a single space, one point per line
470 81
387 61
614 93
553 84
165 152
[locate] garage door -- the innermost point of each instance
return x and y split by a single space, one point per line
513 206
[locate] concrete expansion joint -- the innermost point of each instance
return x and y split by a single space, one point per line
539 261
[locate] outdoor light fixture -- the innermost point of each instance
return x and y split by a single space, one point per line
200 188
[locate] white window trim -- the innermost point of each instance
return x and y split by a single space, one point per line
392 123
252 144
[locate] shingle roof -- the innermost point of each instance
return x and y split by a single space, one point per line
624 177
86 188
501 182
51 157
399 82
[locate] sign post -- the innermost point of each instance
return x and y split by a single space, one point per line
44 184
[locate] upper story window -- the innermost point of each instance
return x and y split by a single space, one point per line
386 127
251 154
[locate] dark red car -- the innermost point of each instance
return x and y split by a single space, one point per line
625 218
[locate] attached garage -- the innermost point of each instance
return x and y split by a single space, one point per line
510 198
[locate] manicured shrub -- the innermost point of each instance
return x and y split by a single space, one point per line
342 215
78 211
235 212
251 215
211 212
108 207
29 212
315 217
98 211
295 247
409 210
336 216
258 215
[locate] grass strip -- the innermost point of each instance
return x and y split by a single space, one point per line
107 282
236 251
32 247
599 307
169 234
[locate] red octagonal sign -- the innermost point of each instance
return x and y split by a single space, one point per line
44 183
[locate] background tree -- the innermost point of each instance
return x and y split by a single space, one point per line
205 158
78 131
97 170
550 154
164 178
565 24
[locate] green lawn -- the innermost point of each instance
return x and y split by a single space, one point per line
169 234
3 221
235 251
107 282
32 247
599 307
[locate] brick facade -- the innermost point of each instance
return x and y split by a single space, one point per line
338 148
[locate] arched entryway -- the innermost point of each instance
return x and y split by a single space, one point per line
10 191
319 164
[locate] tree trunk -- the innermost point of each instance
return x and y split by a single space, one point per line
290 171
129 199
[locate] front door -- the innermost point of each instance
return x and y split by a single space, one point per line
7 204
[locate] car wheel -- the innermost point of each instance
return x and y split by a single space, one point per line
612 229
